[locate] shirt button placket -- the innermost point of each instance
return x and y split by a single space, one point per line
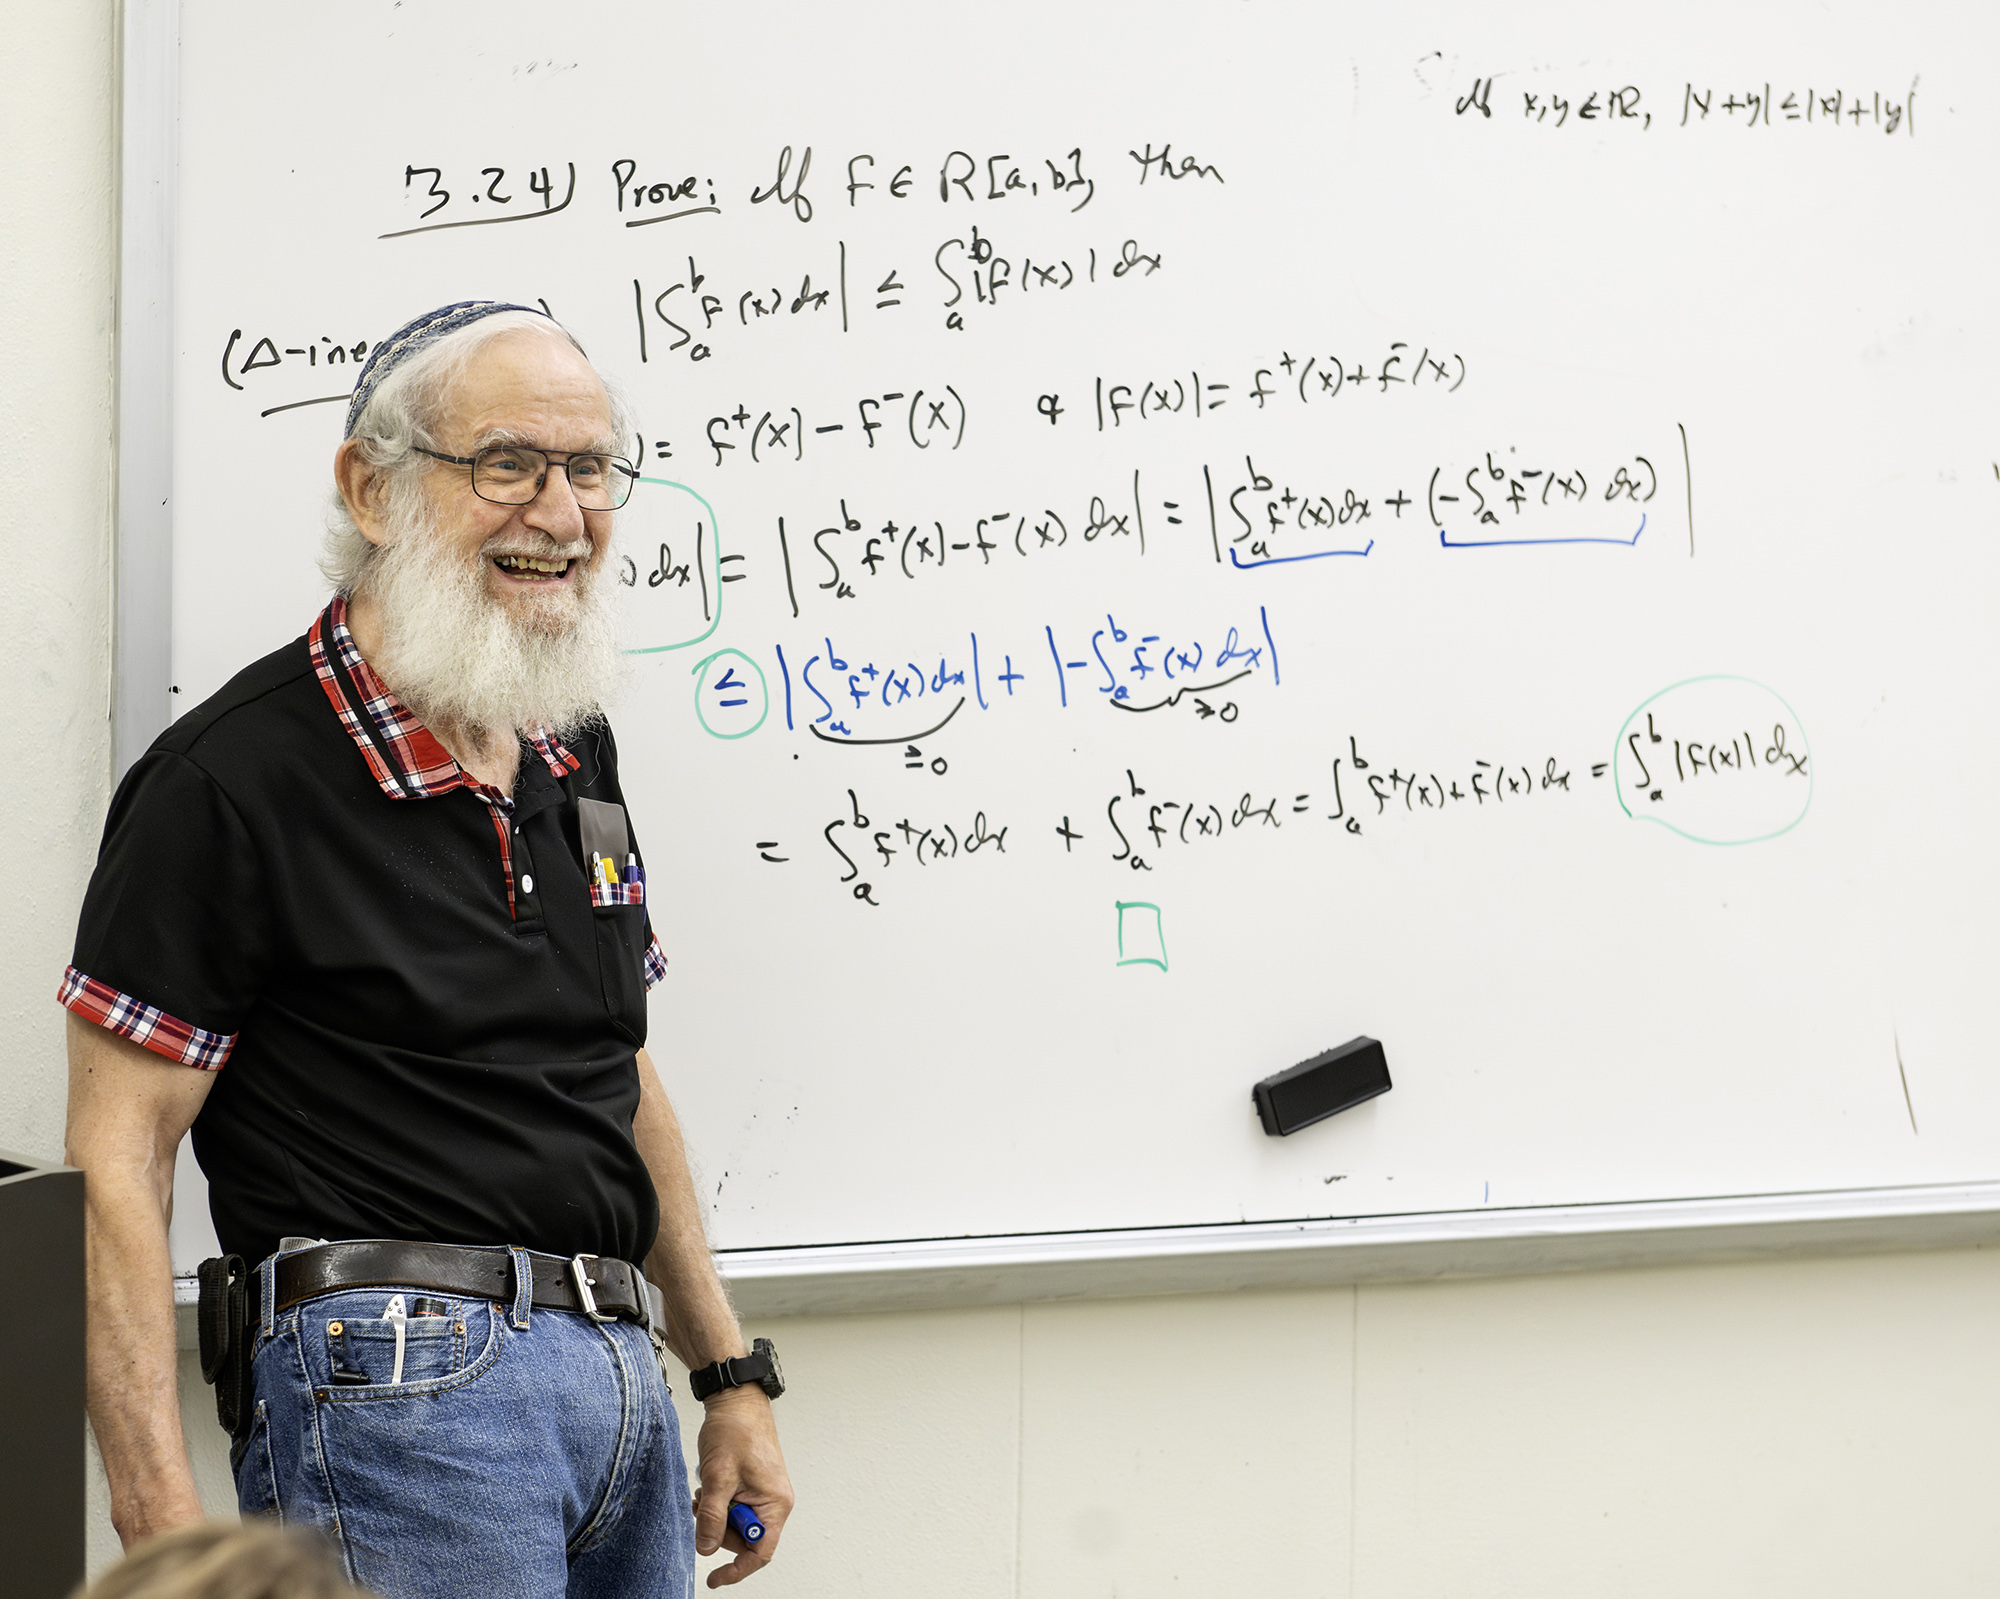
527 913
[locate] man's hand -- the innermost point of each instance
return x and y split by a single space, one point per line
740 1459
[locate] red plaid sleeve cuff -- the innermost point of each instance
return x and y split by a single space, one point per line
166 1035
656 961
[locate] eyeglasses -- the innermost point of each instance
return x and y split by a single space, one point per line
513 474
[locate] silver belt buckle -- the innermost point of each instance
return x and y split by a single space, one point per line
581 1280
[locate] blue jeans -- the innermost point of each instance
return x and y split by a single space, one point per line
517 1452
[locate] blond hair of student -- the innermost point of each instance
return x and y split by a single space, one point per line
225 1560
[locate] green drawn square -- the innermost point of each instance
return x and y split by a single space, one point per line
1141 940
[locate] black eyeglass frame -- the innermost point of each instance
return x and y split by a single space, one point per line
618 464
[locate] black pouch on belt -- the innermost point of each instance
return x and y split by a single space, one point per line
222 1315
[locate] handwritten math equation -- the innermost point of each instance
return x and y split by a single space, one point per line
1626 106
1682 763
690 315
850 553
1309 379
1496 499
1718 759
925 416
1240 514
1145 826
862 844
902 696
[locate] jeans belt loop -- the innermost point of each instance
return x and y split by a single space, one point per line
524 1287
267 1295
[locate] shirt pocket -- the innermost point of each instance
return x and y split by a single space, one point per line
621 966
605 896
618 913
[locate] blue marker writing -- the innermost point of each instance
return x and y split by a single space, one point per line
744 1520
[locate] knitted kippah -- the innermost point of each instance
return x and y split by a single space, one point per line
411 337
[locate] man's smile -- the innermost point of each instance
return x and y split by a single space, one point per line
534 568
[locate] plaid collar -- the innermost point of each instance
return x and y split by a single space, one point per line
405 758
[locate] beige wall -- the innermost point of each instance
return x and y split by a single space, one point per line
1814 1427
57 321
1823 1428
58 304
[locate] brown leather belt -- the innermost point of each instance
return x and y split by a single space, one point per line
597 1285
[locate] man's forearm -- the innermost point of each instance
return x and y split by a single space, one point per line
702 1325
127 1112
131 1357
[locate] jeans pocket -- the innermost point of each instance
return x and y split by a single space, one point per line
386 1344
256 1476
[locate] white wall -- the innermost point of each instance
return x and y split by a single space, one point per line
1812 1427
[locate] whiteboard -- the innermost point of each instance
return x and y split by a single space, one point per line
1176 536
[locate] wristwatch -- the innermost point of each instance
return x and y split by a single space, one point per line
760 1366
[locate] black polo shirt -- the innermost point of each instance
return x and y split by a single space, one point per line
423 1010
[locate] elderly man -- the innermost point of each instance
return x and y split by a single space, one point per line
372 921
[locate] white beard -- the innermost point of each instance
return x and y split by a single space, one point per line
460 660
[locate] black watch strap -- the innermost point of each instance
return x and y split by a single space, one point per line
758 1369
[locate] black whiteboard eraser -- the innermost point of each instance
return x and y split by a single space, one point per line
1321 1087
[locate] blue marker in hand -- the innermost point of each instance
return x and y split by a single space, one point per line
744 1520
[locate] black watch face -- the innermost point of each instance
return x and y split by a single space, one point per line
774 1384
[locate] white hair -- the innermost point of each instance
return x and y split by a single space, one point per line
463 661
402 417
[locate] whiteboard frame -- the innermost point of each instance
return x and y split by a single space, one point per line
1532 1240
148 194
924 1274
958 1273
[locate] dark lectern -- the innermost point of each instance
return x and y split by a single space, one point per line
41 1378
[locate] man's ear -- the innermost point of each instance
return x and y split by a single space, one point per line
361 486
